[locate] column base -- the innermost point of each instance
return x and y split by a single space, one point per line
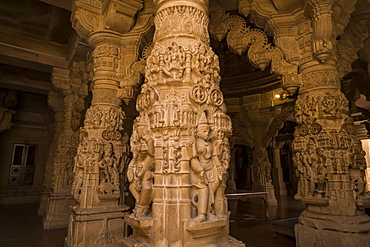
142 230
103 226
282 190
332 231
41 211
271 199
206 234
58 211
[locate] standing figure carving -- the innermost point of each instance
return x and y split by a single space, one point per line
315 171
205 165
140 171
109 179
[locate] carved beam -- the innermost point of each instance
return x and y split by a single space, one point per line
260 53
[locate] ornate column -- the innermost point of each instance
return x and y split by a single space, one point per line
277 171
74 90
56 103
180 139
261 166
327 153
98 218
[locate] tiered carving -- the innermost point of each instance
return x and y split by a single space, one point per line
100 155
180 139
113 29
328 156
108 17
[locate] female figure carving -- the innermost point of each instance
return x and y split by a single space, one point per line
205 164
140 171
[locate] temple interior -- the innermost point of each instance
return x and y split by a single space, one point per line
142 123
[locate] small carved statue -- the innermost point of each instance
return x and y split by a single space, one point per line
78 170
109 182
302 174
205 165
315 171
140 171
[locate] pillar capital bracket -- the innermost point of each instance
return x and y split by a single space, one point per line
113 15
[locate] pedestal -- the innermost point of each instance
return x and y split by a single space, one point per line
59 210
41 210
332 231
86 222
271 199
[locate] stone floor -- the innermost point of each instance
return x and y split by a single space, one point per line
21 227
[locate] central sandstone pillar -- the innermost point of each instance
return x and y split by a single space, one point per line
180 139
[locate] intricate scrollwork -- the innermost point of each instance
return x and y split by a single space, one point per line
260 53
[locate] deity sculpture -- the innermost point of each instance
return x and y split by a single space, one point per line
140 171
315 171
205 165
301 173
110 179
78 170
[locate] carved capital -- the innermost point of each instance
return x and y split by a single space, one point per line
90 16
60 79
119 15
86 17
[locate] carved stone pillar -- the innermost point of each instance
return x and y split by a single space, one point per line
277 171
110 30
230 183
327 154
180 139
60 200
261 166
330 161
56 103
98 219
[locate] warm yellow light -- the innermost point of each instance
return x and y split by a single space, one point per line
277 96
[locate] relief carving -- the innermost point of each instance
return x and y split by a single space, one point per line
208 172
140 169
260 54
183 63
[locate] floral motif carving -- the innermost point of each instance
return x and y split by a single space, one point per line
179 20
